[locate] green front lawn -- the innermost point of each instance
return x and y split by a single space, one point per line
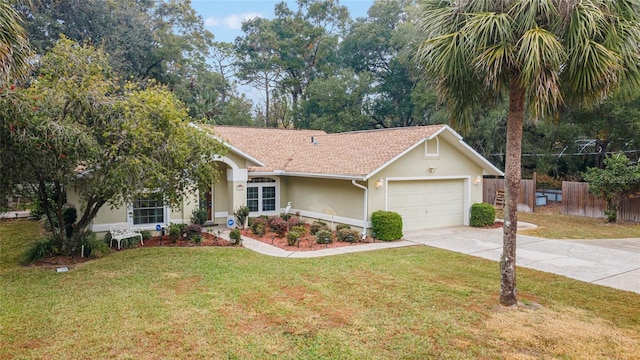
559 226
230 303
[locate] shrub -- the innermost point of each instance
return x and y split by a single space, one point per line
292 238
130 242
235 236
194 229
342 226
241 214
93 248
199 216
324 236
300 229
107 239
258 226
387 225
175 231
348 235
39 250
317 226
146 234
259 229
261 218
294 221
278 225
196 239
482 214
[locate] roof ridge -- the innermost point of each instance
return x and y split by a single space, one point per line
390 129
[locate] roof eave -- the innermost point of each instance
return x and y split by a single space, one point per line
233 149
309 175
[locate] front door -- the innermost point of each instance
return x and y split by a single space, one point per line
209 205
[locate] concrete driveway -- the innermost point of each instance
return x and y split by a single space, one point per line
611 262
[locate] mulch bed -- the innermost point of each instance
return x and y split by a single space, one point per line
307 242
164 241
207 240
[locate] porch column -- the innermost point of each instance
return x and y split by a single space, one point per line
237 181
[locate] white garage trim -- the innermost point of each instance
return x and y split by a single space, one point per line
466 186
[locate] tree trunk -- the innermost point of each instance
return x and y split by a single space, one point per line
515 122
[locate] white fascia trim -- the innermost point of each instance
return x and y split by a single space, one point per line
231 147
484 163
449 177
310 175
444 128
474 155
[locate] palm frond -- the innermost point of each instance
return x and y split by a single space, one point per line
527 14
14 46
540 56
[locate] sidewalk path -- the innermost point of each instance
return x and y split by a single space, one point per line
609 262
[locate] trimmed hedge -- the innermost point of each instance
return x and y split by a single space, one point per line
348 235
317 226
482 214
324 236
387 225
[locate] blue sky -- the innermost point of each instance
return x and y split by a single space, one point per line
224 17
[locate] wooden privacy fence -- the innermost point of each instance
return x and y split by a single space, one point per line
576 200
527 193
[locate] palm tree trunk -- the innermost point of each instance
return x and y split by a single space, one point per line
515 122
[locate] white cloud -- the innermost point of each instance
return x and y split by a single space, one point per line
233 21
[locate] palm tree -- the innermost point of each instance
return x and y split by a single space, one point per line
14 44
542 54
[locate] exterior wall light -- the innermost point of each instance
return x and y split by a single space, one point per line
477 180
379 184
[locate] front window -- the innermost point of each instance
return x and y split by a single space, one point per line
252 199
261 195
269 198
148 210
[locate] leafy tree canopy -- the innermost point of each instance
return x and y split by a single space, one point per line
618 180
76 127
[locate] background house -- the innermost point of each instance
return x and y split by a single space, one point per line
427 174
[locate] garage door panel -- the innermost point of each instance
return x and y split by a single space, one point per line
427 203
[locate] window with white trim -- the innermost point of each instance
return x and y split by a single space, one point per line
431 147
148 210
261 195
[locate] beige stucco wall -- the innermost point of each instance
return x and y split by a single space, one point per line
339 199
331 200
450 163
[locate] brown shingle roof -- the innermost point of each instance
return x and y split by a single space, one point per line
351 154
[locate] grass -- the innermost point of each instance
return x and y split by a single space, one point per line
231 303
558 226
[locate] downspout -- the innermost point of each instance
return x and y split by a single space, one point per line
364 217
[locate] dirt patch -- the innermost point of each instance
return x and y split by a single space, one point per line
537 332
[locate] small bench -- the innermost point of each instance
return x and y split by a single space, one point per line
123 231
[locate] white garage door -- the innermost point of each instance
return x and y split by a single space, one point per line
425 204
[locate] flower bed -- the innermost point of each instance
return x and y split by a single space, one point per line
306 243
